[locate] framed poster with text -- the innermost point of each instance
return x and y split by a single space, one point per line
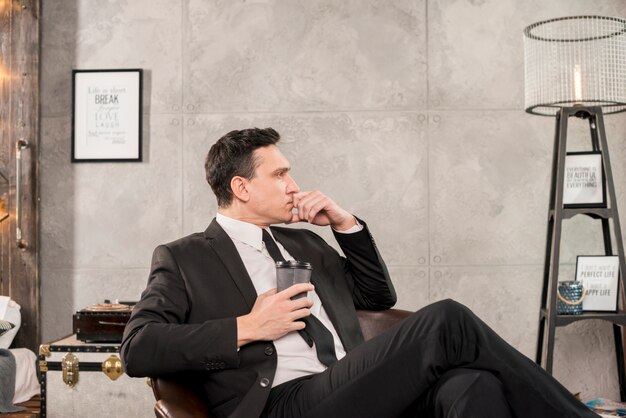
584 180
599 276
106 115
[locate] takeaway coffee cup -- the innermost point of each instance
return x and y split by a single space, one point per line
292 272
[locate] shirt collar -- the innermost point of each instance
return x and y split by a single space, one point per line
245 232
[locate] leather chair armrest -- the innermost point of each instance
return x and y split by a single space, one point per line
376 322
168 409
176 400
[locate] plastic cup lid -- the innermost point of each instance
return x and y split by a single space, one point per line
293 264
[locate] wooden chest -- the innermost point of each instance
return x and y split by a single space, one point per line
102 323
101 327
86 380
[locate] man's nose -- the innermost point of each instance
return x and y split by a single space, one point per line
292 186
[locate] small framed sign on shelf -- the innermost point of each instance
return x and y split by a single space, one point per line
599 276
106 115
584 180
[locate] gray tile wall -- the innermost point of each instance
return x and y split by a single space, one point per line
408 113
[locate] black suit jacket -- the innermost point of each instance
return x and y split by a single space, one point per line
185 322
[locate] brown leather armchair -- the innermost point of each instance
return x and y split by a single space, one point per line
175 400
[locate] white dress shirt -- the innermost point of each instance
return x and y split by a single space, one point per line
295 357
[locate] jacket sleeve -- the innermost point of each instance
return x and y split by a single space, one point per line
366 271
157 340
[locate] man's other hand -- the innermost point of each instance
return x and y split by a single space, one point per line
274 314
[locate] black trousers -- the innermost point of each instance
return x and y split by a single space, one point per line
441 362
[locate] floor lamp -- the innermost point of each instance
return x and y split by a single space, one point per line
576 66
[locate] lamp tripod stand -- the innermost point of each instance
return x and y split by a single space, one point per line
607 214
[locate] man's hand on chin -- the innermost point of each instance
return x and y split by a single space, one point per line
316 208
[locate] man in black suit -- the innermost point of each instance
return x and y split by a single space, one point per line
211 313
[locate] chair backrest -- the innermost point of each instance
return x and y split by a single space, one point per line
175 400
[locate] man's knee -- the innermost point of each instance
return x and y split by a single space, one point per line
447 310
449 306
444 314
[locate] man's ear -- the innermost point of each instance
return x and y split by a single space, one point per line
239 186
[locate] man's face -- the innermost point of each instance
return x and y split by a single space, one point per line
272 188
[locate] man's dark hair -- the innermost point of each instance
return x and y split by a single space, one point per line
233 155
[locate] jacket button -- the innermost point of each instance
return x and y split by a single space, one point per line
265 382
269 350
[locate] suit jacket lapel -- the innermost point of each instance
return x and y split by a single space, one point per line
226 250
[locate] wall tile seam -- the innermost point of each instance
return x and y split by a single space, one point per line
69 116
427 109
427 52
478 110
305 111
442 266
395 265
88 269
430 111
181 207
429 190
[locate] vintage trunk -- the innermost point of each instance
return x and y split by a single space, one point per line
100 327
85 380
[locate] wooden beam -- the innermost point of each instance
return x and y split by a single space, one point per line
19 120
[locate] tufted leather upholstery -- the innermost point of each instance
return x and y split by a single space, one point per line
175 400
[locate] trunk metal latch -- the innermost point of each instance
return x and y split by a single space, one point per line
69 366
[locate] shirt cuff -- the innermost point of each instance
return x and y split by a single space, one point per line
356 228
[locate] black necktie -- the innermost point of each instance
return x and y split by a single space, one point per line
315 330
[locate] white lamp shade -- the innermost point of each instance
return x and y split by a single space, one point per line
578 60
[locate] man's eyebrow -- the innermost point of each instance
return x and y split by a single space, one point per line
282 170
